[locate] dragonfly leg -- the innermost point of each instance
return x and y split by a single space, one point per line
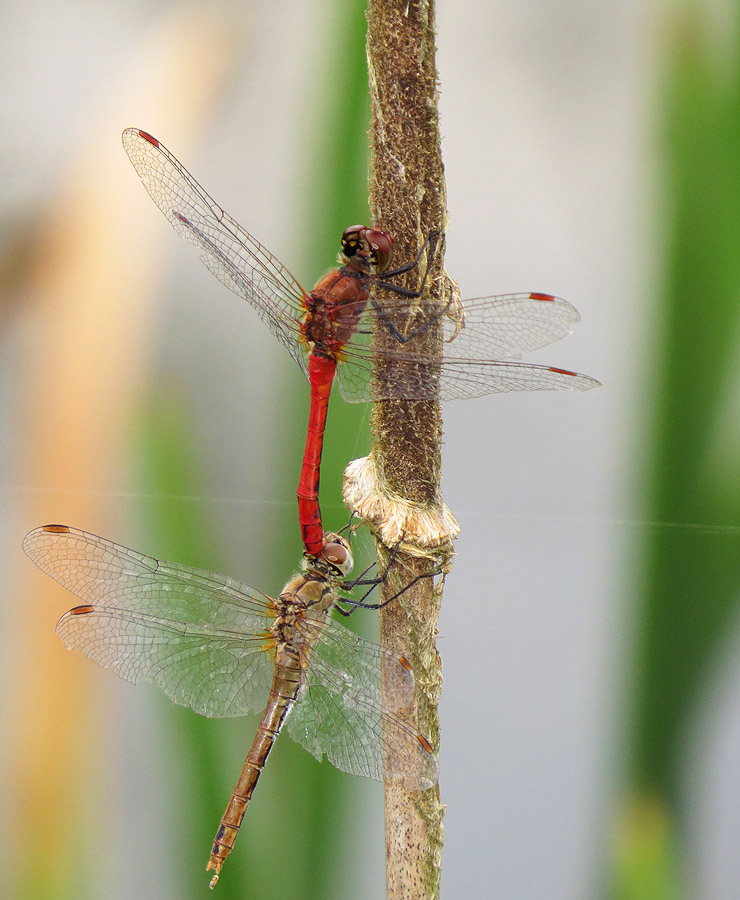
405 338
349 585
372 583
417 578
361 581
352 529
344 612
430 243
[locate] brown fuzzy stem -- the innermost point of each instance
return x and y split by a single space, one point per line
407 199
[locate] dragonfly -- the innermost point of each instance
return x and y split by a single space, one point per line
225 649
329 330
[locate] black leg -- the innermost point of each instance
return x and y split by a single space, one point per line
430 242
361 581
372 583
361 601
348 526
397 289
405 338
344 612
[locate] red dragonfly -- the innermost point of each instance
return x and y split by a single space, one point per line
334 323
225 649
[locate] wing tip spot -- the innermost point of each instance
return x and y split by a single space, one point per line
81 610
424 743
537 296
56 529
562 371
148 137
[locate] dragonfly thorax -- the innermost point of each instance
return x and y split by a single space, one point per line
333 309
305 597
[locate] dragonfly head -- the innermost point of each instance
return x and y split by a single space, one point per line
367 249
337 552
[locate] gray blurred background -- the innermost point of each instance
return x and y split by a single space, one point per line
140 400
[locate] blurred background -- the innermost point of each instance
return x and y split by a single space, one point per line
591 708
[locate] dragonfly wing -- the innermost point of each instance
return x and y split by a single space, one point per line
341 712
199 636
477 360
356 374
503 327
236 258
403 376
462 378
499 327
216 675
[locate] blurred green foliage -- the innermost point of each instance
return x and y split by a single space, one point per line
299 804
691 570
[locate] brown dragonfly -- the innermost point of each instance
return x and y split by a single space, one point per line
224 648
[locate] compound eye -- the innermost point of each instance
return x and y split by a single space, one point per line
381 245
351 239
335 553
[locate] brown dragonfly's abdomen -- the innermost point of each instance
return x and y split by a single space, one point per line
285 684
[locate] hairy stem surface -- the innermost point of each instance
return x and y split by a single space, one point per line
407 199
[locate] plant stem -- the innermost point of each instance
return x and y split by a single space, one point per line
407 199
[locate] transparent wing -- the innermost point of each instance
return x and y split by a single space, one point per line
465 378
236 258
476 361
402 375
499 327
199 636
340 712
496 329
504 326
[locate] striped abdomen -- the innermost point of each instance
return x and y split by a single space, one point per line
321 371
285 683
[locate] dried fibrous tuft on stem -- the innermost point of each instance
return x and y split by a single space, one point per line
397 487
422 529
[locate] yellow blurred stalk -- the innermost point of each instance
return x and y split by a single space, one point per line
647 851
93 290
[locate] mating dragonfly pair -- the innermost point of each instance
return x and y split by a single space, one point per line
222 647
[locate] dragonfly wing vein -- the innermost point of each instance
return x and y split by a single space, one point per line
199 636
341 713
215 674
349 724
233 255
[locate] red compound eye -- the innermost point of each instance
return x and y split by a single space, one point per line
382 247
337 553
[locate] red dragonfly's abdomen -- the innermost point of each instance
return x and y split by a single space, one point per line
334 308
321 371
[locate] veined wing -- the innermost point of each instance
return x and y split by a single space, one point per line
502 327
464 378
341 713
401 375
236 258
493 328
199 636
477 360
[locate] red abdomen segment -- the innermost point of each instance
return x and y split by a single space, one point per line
321 371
